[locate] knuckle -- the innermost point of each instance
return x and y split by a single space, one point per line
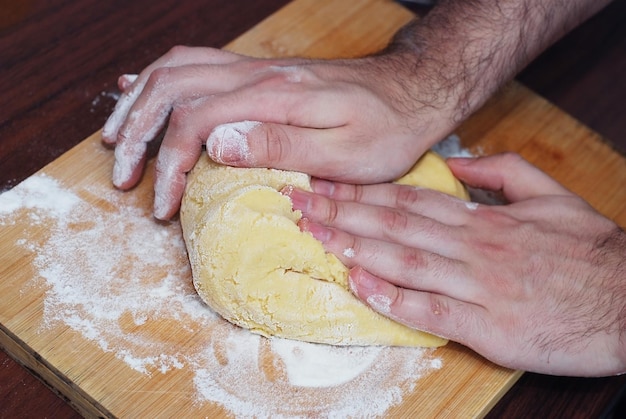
323 210
289 74
276 144
358 193
180 114
178 51
397 298
493 215
511 158
406 197
394 221
332 211
412 260
158 77
439 306
123 136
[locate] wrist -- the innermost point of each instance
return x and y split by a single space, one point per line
461 52
456 58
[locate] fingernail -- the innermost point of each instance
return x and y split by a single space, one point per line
300 200
363 279
228 143
323 187
318 231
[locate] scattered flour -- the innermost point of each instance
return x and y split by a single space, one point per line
122 280
34 194
349 252
472 206
380 303
103 95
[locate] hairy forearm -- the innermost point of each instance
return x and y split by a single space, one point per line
464 50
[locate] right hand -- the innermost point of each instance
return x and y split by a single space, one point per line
538 284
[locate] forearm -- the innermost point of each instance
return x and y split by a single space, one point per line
463 51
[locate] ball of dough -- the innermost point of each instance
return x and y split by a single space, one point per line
252 264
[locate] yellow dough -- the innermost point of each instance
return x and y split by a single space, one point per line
253 265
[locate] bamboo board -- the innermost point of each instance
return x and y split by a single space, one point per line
96 365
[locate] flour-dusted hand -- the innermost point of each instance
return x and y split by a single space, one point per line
360 120
326 118
538 284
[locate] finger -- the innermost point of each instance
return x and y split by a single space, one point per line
402 266
226 143
150 111
306 128
191 123
430 312
508 172
274 143
130 156
375 222
177 56
125 81
174 161
426 202
280 146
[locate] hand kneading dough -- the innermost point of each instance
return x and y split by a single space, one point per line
253 265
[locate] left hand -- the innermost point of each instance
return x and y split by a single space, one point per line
322 117
538 284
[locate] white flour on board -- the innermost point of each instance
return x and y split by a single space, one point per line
122 280
116 276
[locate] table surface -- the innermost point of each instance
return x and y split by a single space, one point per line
59 62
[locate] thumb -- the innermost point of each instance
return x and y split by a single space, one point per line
507 172
280 146
252 143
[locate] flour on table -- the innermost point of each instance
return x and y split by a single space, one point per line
122 281
35 193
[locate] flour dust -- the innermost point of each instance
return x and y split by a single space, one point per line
122 280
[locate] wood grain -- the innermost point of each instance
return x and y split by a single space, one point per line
57 88
98 383
35 129
583 74
304 27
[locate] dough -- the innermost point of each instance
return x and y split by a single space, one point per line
253 265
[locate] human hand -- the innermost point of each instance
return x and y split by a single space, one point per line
346 120
538 284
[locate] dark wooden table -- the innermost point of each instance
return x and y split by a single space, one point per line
59 62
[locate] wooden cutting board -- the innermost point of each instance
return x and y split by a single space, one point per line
96 298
